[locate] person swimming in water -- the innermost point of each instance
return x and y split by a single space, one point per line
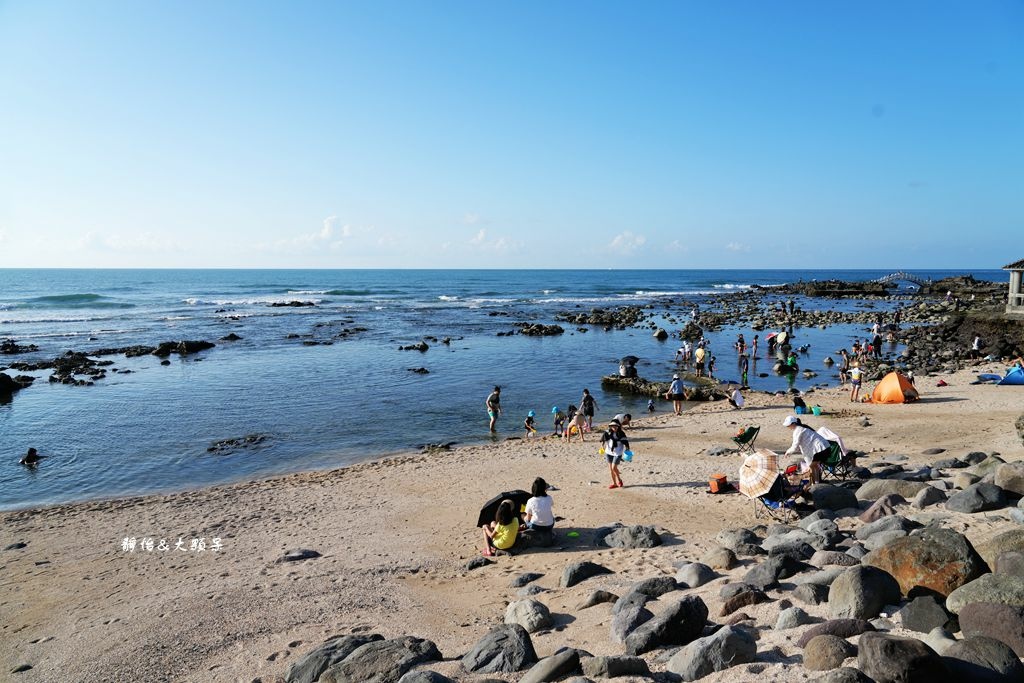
31 458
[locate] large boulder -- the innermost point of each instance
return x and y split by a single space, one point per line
890 659
861 593
312 664
979 659
726 648
824 653
581 571
828 497
1003 589
530 614
1002 622
1010 477
504 649
1006 541
381 661
938 559
719 558
680 623
977 498
731 538
873 489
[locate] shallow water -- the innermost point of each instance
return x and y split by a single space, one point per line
325 406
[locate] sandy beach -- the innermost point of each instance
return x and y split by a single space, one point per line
394 537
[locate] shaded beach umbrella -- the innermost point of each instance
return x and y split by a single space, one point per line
630 360
758 472
782 337
490 508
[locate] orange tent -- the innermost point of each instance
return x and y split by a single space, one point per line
894 388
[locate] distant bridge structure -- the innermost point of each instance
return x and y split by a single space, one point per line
901 276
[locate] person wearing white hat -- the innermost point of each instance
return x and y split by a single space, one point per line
814 447
675 394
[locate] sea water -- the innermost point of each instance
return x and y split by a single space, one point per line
326 405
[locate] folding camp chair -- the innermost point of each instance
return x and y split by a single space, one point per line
779 503
838 464
745 441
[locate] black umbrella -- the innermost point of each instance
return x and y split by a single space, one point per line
630 360
490 508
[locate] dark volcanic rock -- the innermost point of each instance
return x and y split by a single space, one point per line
678 624
382 661
504 649
311 665
181 348
581 571
890 659
984 660
977 498
924 613
725 648
633 537
239 443
1003 622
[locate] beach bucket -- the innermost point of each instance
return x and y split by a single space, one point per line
800 410
627 456
816 410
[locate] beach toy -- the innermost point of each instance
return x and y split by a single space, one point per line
800 410
531 414
627 456
554 409
816 410
600 451
573 534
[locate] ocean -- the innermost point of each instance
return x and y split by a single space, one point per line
322 404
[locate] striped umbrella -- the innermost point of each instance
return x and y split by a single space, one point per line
758 472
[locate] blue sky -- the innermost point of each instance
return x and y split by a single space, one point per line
469 134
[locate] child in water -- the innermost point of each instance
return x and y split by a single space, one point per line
650 405
528 424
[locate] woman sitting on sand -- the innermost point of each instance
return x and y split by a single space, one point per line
539 515
502 532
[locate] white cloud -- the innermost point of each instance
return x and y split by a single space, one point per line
330 235
627 242
676 245
737 246
481 242
142 242
472 218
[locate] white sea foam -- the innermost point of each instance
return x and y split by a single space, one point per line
727 286
256 301
445 297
